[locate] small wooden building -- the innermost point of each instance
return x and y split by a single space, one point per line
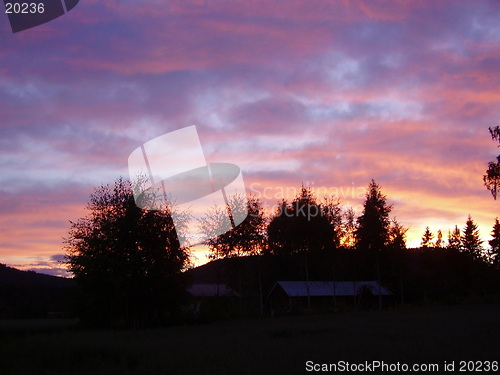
288 296
211 290
211 298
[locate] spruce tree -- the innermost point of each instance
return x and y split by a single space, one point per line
427 238
495 244
471 241
372 232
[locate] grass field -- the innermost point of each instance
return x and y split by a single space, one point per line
256 346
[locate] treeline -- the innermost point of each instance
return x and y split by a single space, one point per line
307 224
129 266
320 240
468 240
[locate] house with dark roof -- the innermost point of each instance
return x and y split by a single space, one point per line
288 296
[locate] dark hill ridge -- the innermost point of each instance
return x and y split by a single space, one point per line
221 270
27 294
13 276
243 272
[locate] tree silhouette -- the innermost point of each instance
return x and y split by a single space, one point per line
300 226
492 177
471 241
126 261
454 239
427 238
332 211
439 240
247 238
495 245
348 240
372 232
397 235
373 225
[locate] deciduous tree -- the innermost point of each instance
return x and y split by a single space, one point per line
348 228
127 261
300 226
439 240
397 235
247 238
454 239
332 211
492 177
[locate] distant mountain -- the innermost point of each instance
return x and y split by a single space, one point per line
225 270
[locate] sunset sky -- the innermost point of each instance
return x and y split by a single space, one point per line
326 93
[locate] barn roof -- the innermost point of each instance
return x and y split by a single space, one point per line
330 288
211 290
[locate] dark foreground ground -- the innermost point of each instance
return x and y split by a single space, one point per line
261 345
